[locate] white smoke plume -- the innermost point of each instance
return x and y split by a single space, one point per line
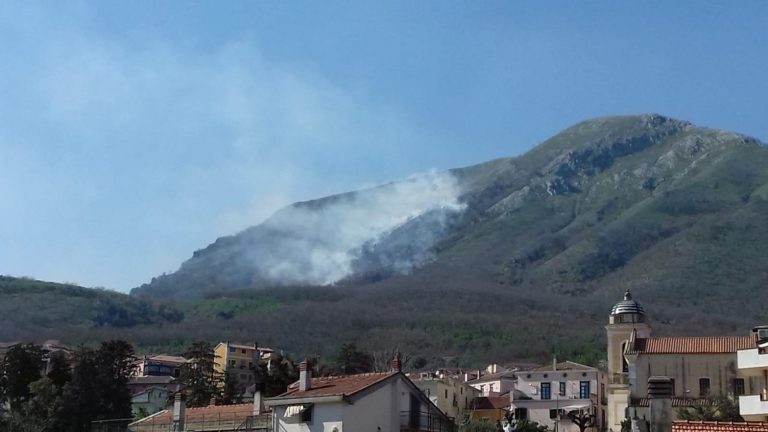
317 242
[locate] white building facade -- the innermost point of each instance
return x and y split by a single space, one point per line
387 402
552 396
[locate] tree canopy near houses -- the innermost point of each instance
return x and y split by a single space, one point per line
64 399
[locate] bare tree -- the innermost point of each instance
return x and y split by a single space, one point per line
382 359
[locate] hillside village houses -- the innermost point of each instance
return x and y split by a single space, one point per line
563 397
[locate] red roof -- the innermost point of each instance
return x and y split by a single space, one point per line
715 426
692 345
343 385
494 402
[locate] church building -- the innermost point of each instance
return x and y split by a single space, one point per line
701 368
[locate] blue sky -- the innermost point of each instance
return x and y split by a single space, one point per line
132 133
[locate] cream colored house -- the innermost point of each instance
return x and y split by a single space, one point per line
452 396
701 368
494 384
550 395
386 402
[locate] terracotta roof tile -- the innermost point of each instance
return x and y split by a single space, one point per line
691 345
714 426
342 385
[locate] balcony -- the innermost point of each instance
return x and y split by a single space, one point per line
753 407
419 421
751 362
619 378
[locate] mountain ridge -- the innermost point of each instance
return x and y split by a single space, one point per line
514 258
488 189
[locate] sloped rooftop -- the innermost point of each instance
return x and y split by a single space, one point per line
691 345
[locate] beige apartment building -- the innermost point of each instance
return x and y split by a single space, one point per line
240 360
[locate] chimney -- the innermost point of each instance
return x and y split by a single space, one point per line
305 376
660 395
179 409
554 364
396 365
258 403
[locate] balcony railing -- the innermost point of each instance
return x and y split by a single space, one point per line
240 423
620 378
419 421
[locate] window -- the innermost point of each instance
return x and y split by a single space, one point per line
583 389
624 364
521 413
738 386
243 351
703 387
545 391
446 393
562 388
306 415
553 414
231 362
232 349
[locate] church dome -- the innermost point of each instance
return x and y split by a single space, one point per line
627 306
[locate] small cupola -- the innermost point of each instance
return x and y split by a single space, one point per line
627 311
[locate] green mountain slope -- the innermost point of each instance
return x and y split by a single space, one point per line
34 310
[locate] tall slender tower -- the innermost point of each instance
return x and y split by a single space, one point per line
625 324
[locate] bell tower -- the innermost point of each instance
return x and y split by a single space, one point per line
625 324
